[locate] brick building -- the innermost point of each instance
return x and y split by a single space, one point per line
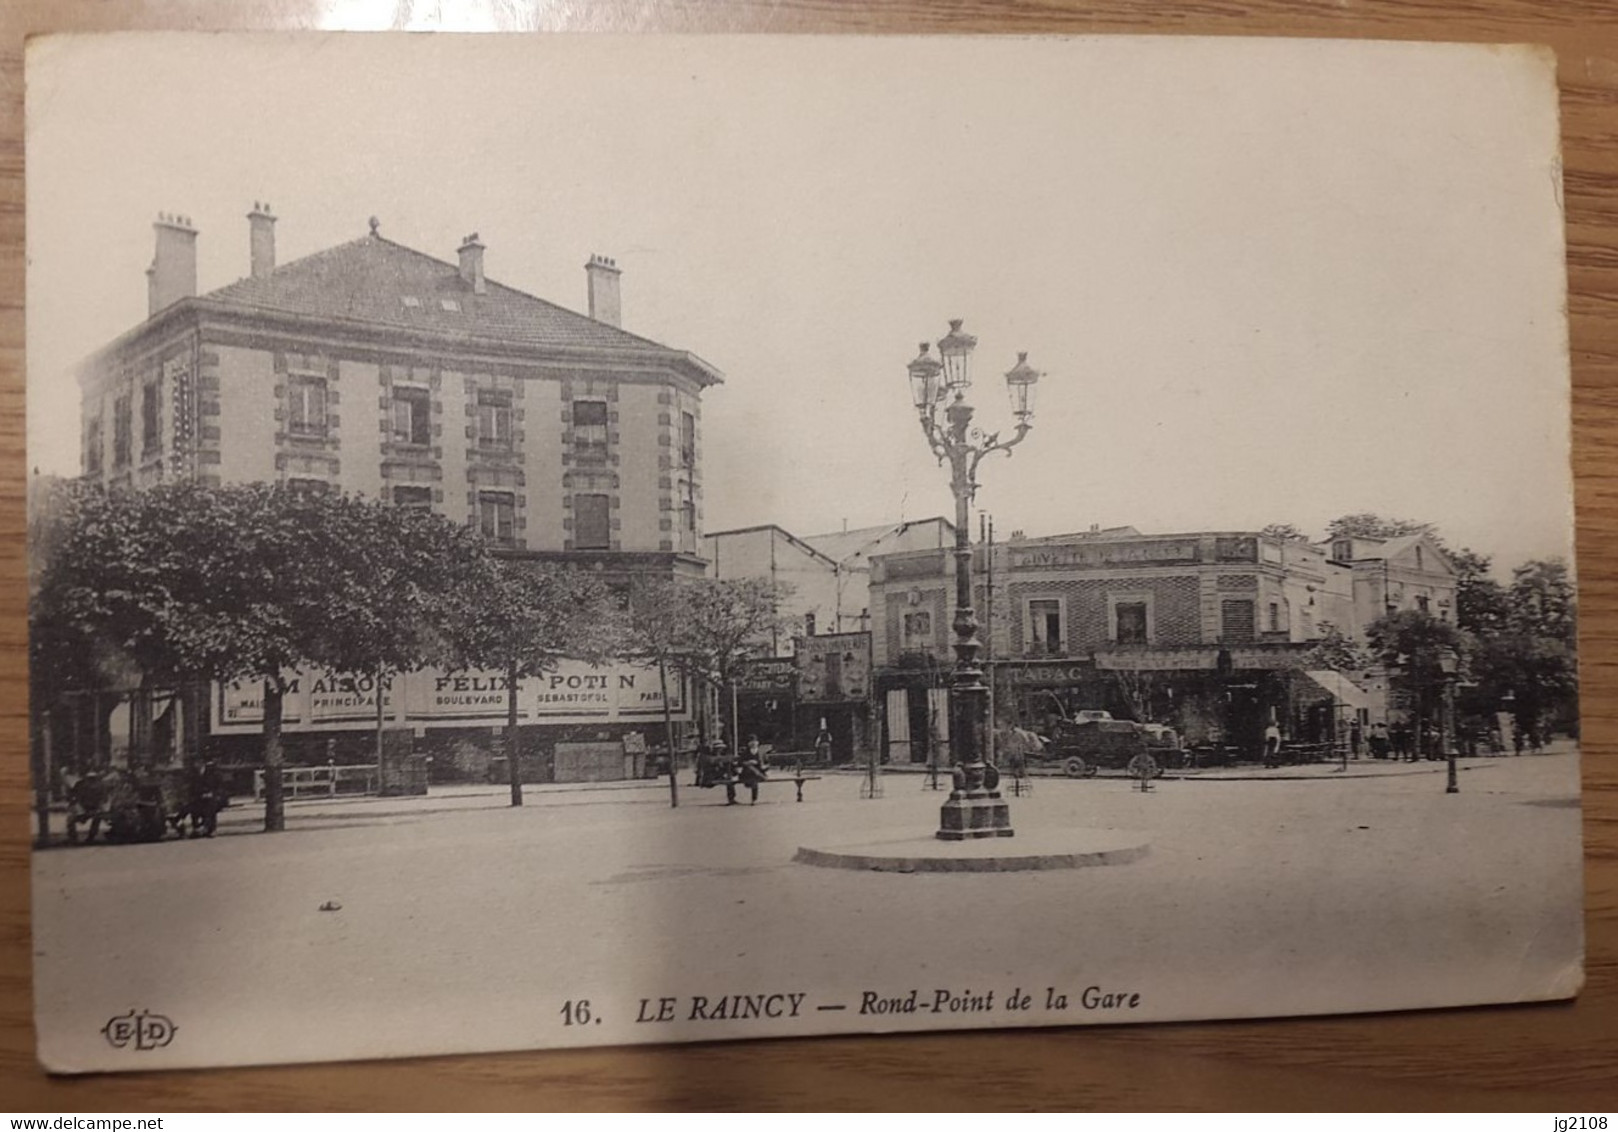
376 369
1209 632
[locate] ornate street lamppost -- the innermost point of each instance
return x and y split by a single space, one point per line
938 387
1449 663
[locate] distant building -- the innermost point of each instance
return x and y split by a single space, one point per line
828 575
1209 632
819 674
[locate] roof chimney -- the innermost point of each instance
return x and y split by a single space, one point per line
472 264
261 239
173 274
602 274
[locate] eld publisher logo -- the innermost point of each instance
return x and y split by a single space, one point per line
141 1029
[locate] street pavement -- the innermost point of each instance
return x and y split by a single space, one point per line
378 927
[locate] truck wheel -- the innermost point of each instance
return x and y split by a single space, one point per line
1075 768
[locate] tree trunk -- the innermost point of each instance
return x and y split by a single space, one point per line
668 735
42 769
513 747
140 726
735 719
275 817
377 691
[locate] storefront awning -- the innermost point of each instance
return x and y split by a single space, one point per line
1341 688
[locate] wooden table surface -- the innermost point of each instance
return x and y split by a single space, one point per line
1560 1058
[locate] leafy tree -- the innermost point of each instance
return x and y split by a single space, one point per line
246 582
523 618
702 629
1288 532
1543 601
1413 645
1482 605
1335 651
407 575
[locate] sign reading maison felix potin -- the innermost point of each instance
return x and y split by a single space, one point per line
574 693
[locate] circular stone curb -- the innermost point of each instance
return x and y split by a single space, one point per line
982 855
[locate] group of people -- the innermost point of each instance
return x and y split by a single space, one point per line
138 805
716 766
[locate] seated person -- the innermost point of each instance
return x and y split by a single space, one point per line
750 772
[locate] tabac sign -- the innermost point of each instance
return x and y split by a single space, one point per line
575 692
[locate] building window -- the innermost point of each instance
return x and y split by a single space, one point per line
494 420
1342 550
1045 627
1236 621
688 440
1421 603
149 439
92 447
412 416
1129 618
122 431
590 432
592 527
416 498
688 515
1130 622
497 517
1419 564
306 486
306 406
808 624
1275 617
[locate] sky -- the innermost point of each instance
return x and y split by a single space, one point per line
1265 280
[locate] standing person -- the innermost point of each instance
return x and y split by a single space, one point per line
1272 744
750 770
823 746
1379 740
1356 737
205 797
704 762
1400 733
1144 768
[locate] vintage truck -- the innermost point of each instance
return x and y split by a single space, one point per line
1094 740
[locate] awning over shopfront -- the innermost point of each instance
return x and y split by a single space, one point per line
1341 688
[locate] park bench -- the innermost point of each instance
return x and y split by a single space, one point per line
797 780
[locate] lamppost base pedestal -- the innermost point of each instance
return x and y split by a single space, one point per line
967 816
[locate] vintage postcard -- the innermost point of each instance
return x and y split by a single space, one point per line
560 541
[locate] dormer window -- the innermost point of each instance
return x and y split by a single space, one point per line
450 304
409 301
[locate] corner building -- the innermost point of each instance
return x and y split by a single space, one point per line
1209 632
376 369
